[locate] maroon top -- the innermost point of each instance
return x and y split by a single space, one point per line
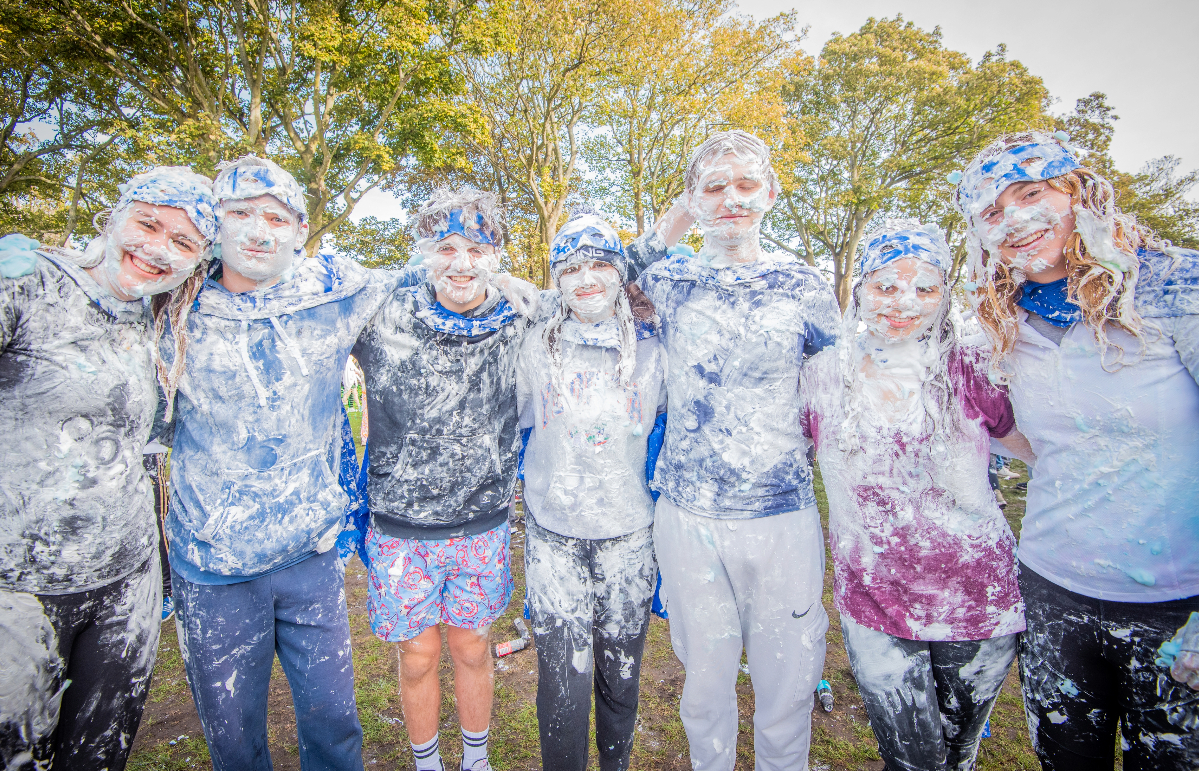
920 548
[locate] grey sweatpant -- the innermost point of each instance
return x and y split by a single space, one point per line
752 583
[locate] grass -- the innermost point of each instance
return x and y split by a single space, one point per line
841 740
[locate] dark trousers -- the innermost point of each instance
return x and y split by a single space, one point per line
1089 664
229 636
589 601
928 702
76 668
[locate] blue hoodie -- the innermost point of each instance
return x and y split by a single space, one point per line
735 340
256 451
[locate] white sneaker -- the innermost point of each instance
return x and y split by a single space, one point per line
1007 473
482 764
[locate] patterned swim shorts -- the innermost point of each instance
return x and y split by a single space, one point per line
464 582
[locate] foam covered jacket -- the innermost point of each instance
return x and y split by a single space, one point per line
77 402
735 340
441 398
585 461
256 454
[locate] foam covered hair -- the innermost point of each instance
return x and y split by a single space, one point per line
250 176
467 211
587 236
907 238
176 186
998 165
742 144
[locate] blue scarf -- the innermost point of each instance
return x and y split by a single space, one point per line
1049 302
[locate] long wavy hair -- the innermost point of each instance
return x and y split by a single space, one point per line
1103 294
172 308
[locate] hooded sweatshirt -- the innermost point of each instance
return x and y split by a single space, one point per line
585 461
257 450
441 401
735 340
77 402
1112 501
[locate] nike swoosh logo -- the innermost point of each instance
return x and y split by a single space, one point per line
801 615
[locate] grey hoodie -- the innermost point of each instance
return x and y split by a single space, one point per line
77 401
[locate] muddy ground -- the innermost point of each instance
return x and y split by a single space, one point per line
171 738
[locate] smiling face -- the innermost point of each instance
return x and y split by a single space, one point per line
902 299
260 237
1029 226
589 289
148 249
730 197
460 270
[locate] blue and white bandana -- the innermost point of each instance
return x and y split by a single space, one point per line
477 232
900 239
587 237
176 186
250 176
1049 301
1043 157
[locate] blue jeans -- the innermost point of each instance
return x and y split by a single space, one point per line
229 636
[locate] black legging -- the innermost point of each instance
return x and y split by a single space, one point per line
1088 664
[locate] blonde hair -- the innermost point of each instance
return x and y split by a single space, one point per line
1103 293
172 307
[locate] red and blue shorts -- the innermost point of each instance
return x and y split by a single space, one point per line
413 585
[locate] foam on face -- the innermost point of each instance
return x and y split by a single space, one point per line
1018 223
731 196
260 237
163 244
902 290
457 256
591 307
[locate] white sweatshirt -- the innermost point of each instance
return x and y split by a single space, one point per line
585 461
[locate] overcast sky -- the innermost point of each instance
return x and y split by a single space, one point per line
1144 54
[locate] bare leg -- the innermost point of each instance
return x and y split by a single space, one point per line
474 678
420 691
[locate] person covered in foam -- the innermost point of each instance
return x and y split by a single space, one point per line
902 416
736 530
439 361
590 383
80 578
1094 324
256 506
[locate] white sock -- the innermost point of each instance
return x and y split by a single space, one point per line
474 747
428 755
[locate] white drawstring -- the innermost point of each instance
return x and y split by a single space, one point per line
292 348
245 359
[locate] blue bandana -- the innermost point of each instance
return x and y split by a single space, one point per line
897 240
477 232
251 176
1049 302
996 167
176 186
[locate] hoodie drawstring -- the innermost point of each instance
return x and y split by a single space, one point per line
244 347
292 348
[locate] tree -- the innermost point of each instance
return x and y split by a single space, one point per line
689 70
339 92
1156 195
884 115
533 93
